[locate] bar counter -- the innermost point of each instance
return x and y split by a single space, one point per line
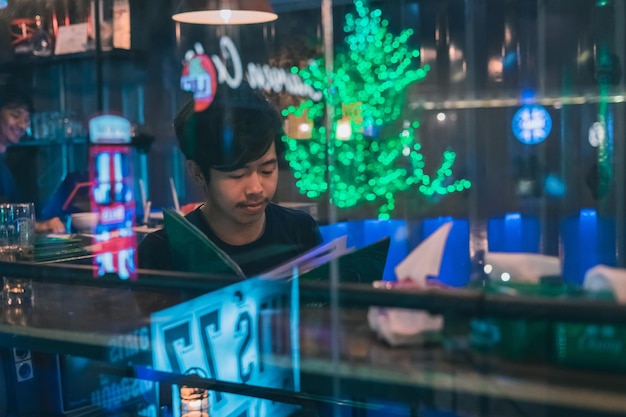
340 360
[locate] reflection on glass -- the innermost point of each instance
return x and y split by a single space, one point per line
112 197
241 333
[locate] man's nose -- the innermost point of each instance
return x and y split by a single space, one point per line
254 184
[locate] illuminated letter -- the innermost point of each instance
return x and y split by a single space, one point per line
229 51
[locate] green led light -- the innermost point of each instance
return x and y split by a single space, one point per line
371 75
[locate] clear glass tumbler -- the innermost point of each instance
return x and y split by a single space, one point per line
17 241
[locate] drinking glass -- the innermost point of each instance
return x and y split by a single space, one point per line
17 239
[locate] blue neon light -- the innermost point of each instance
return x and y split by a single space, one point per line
531 124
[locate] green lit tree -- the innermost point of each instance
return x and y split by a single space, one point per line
374 153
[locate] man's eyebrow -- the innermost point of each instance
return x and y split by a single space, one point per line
264 164
270 162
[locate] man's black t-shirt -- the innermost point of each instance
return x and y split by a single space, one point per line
287 234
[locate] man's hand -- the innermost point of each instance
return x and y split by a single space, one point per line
54 225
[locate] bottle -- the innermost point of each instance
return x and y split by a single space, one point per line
22 30
41 39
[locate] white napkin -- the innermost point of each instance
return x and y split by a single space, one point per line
522 267
401 327
398 326
425 259
606 278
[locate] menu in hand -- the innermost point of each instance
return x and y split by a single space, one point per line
193 251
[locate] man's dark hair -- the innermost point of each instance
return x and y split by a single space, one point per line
237 128
12 96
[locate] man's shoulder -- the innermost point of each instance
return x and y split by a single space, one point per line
154 251
158 237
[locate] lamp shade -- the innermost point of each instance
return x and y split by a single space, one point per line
224 12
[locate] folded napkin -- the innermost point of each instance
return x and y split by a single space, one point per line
424 261
400 326
606 278
522 267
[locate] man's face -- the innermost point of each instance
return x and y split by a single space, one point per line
240 196
13 124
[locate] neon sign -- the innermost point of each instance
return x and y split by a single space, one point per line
233 335
531 124
199 76
231 72
112 197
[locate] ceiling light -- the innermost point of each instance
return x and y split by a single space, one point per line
224 12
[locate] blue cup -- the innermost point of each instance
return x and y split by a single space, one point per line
513 233
587 240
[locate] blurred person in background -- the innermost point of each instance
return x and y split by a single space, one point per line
15 110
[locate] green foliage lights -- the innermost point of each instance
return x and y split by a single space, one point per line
369 83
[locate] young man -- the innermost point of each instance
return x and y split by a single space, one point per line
232 150
15 110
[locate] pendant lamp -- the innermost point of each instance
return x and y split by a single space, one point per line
224 12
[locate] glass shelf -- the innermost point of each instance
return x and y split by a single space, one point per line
47 142
21 62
